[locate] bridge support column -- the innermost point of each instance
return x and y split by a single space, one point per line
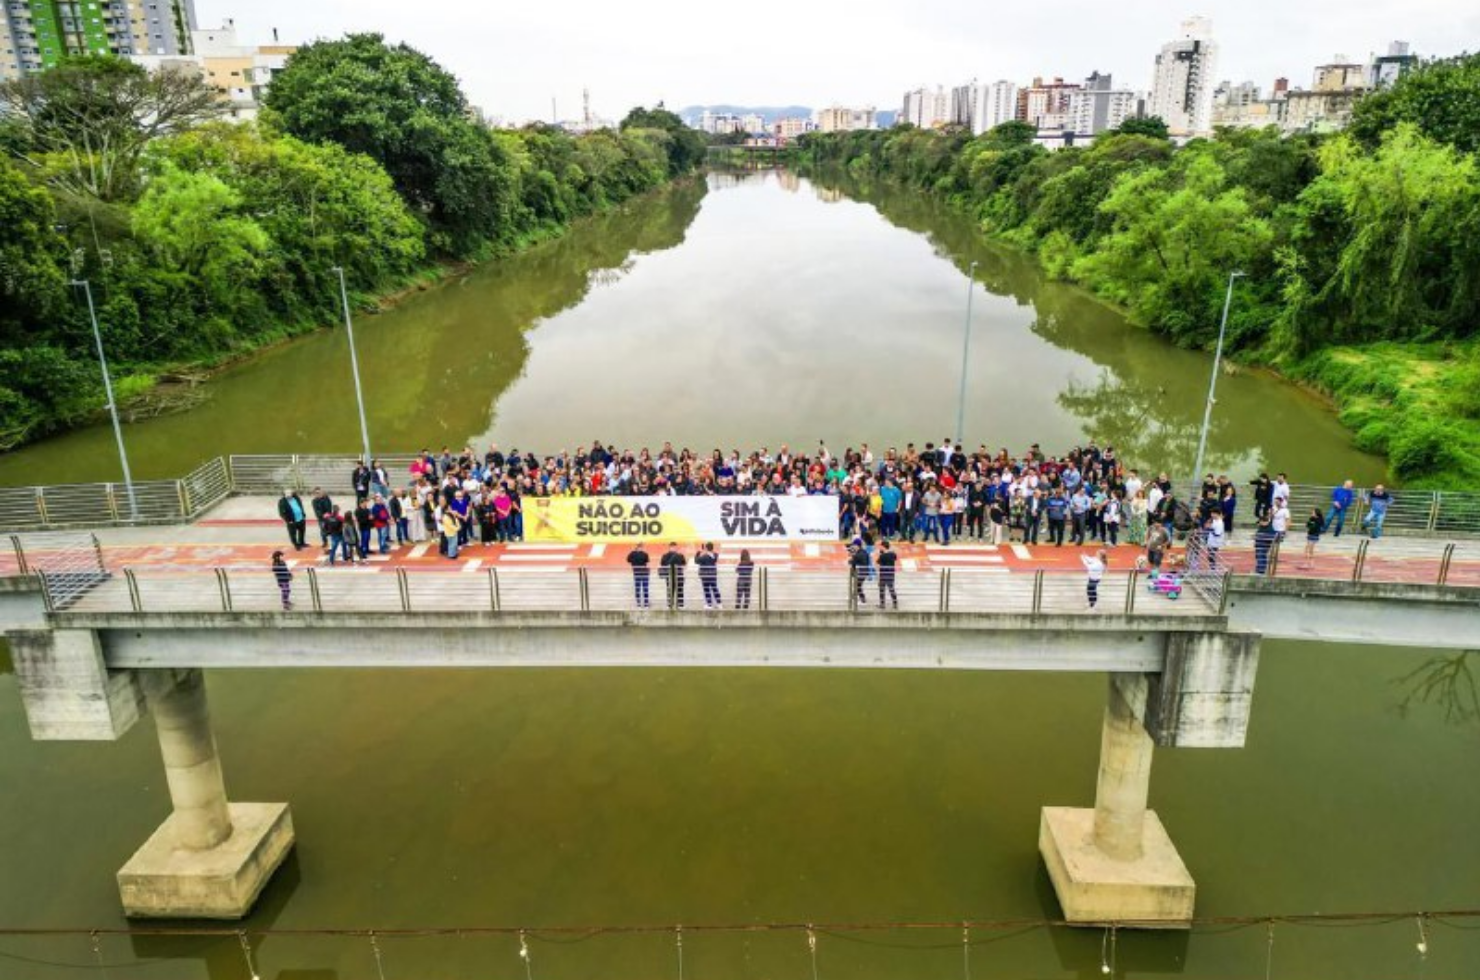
1115 863
210 858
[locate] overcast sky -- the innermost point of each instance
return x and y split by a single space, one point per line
513 58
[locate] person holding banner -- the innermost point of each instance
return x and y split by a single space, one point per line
708 563
672 567
638 559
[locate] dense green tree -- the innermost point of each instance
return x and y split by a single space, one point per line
1441 98
1153 127
685 152
85 124
403 110
1386 245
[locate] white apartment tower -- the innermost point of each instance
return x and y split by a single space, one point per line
926 109
995 104
1182 87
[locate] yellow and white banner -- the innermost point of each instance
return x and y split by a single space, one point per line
593 519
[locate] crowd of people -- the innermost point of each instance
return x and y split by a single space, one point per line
936 493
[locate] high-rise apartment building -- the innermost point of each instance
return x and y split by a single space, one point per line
1046 104
837 119
1386 69
1099 106
40 33
964 100
926 109
1183 83
995 104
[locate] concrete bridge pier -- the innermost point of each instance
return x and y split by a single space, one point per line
210 858
1116 863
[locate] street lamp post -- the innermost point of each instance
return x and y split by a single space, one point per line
128 480
354 364
965 357
1202 439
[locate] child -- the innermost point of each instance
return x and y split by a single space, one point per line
1313 527
284 576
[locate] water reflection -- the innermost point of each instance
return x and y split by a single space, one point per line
1446 683
1144 396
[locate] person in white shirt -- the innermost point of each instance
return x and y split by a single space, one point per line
1094 567
1132 484
1215 537
1281 520
1280 492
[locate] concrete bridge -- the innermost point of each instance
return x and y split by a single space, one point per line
97 647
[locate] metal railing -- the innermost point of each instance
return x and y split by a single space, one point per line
1353 558
69 565
112 505
317 591
1412 512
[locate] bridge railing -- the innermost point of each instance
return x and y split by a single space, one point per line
315 591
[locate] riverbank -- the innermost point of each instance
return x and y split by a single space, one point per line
1121 221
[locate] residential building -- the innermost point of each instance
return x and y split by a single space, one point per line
1319 112
996 104
753 123
964 100
240 72
1183 83
40 33
1342 75
1046 104
925 109
1099 106
837 119
791 127
1386 69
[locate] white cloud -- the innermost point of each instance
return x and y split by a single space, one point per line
513 58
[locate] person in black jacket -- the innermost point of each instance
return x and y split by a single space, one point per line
295 517
708 563
887 561
360 478
858 570
323 506
284 577
672 567
638 559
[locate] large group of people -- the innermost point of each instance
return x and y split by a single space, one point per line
937 493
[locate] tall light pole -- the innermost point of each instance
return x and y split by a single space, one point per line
965 357
1202 439
354 364
128 480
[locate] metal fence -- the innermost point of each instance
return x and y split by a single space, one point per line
115 504
318 591
69 565
1412 512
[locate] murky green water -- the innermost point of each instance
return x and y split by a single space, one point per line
612 797
759 310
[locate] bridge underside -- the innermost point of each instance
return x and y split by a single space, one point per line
924 641
1383 614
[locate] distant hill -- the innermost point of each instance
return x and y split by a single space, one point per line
691 114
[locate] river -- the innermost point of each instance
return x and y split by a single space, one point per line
754 309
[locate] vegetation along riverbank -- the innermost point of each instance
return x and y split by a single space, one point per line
204 239
1361 250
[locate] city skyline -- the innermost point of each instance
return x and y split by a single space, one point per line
514 61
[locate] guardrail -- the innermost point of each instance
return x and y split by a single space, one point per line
69 565
1412 512
115 504
318 591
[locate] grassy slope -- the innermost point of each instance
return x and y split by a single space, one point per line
1417 403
